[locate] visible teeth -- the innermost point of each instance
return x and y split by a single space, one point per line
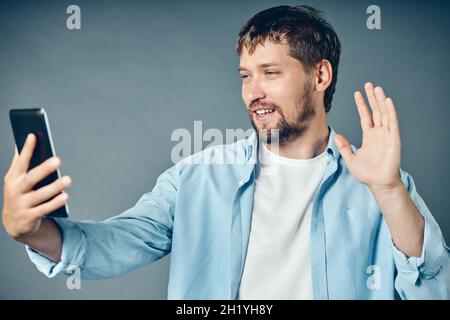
263 111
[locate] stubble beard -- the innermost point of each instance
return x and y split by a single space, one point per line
285 131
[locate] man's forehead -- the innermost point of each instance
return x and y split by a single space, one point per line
266 54
267 47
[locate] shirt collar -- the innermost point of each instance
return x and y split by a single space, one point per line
332 148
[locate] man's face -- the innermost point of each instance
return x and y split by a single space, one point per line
277 91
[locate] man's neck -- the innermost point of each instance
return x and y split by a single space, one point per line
309 145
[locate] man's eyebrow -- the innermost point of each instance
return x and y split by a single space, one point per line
271 64
262 65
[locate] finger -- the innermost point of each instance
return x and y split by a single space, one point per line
13 164
49 191
345 149
363 110
392 115
26 153
373 104
50 206
16 156
38 173
379 94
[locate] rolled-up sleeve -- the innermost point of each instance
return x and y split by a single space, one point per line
72 253
427 276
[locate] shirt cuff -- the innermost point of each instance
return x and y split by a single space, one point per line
428 264
72 254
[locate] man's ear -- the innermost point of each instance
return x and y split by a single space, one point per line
323 75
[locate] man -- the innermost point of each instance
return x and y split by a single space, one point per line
297 214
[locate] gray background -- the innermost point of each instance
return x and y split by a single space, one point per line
116 89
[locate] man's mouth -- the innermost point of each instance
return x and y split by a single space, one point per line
264 114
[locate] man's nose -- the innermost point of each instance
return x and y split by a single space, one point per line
256 91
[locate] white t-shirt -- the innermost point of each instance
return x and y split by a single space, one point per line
278 263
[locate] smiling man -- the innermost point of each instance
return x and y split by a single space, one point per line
300 214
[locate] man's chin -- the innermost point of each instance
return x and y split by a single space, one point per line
266 131
260 126
268 135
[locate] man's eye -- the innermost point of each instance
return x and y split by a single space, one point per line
244 76
271 73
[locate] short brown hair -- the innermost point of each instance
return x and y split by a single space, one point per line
310 38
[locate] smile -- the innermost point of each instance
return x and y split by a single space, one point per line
264 114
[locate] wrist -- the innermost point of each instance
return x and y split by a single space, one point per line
27 239
46 240
32 237
391 190
392 199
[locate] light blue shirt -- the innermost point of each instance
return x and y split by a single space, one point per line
200 212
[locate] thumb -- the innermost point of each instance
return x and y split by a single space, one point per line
344 148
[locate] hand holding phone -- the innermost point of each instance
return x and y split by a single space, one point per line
25 204
24 122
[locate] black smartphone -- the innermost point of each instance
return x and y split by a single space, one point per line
34 120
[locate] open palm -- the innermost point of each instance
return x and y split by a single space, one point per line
377 162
